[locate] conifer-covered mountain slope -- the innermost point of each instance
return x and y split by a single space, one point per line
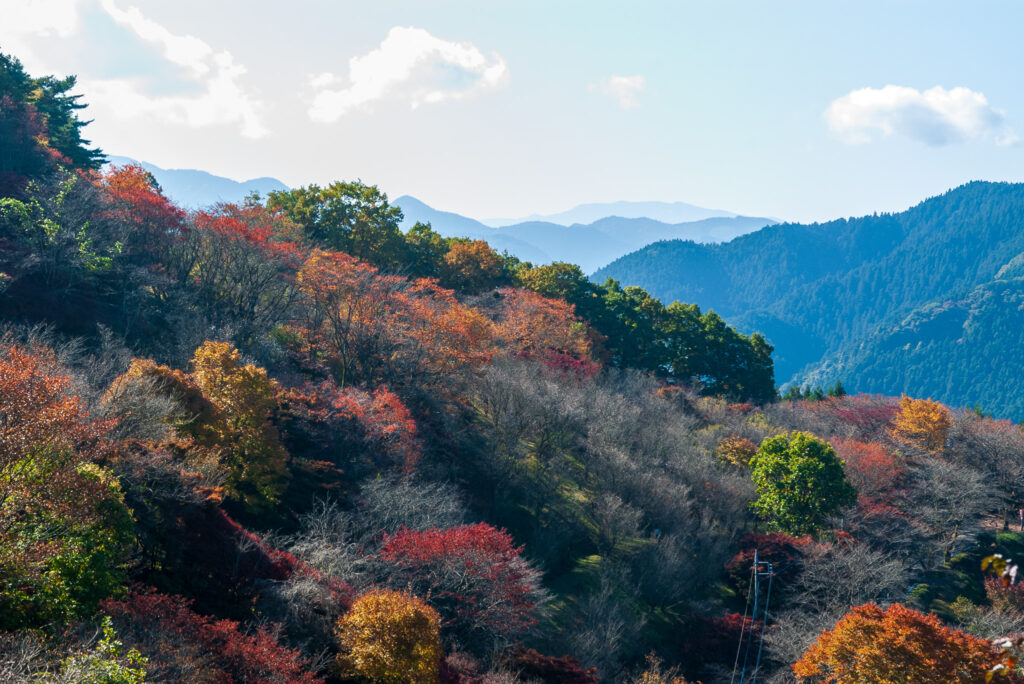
955 350
828 294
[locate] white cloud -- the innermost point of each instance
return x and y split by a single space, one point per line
186 51
24 21
622 88
39 17
935 116
411 65
221 98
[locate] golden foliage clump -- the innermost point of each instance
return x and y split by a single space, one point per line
656 673
736 451
923 422
390 637
246 395
221 417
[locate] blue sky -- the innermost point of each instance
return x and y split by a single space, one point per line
798 110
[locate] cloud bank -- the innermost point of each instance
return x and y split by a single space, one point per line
623 89
409 65
221 97
934 117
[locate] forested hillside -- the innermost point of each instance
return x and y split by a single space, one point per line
833 291
287 442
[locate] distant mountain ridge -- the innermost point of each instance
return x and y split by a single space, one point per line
195 189
888 303
665 212
590 245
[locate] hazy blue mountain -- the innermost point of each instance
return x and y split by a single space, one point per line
589 245
666 212
922 301
194 189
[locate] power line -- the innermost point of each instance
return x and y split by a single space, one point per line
759 571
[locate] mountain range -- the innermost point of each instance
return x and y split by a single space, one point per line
590 245
666 212
194 189
929 301
590 235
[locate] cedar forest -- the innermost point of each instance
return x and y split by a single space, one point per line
284 441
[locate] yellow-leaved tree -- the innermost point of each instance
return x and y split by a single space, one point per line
390 637
246 395
923 422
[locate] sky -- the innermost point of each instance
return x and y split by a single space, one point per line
802 111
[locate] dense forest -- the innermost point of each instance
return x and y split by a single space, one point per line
834 298
285 441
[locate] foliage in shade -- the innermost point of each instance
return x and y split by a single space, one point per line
183 646
365 432
40 127
550 669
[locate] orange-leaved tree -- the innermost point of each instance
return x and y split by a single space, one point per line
390 636
898 644
146 221
923 422
369 327
529 323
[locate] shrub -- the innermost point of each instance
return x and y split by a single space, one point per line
184 646
390 637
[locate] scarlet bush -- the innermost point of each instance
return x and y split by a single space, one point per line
532 665
184 646
474 575
869 467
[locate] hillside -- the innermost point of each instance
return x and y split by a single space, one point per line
287 442
820 291
955 350
590 245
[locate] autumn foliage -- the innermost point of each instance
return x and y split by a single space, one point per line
896 644
736 451
362 431
64 529
184 646
147 220
246 397
869 466
364 326
390 636
474 575
923 422
529 323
